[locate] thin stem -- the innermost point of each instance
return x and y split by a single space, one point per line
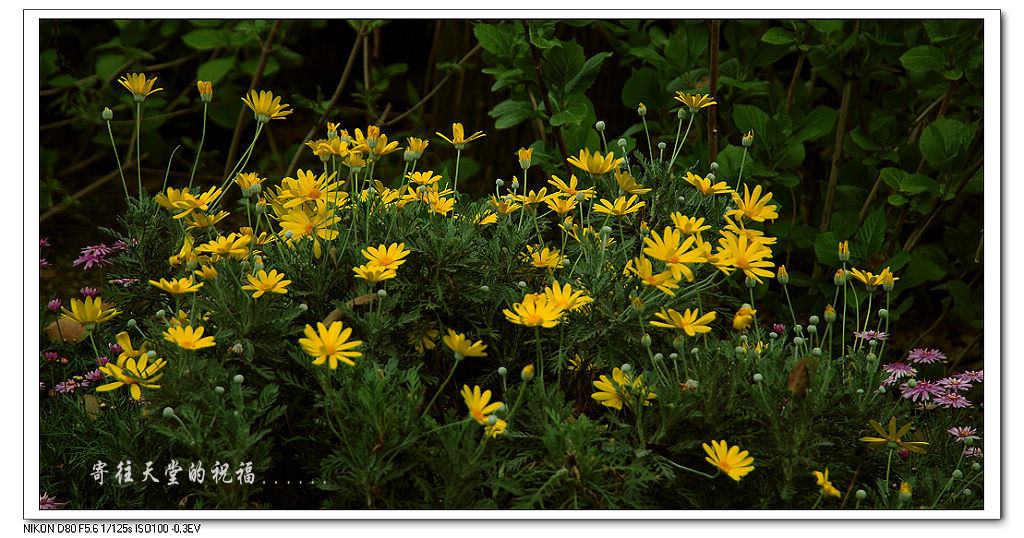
441 388
119 170
138 141
199 150
676 148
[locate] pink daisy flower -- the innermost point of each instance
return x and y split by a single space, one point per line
973 451
51 355
94 376
960 433
44 264
973 376
923 390
954 384
779 328
44 242
49 503
871 335
953 399
925 356
89 291
53 305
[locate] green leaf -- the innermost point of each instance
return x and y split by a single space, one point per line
923 58
787 180
826 27
496 39
892 177
778 36
918 183
945 141
897 199
792 155
871 234
510 112
204 39
108 64
820 122
572 115
843 224
826 248
863 141
587 74
561 63
749 117
214 70
652 57
643 86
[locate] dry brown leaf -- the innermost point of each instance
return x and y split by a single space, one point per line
71 330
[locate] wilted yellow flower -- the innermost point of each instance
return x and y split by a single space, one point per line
744 318
205 90
525 157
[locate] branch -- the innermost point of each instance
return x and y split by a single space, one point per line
256 77
427 97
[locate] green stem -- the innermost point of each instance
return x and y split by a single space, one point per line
441 388
199 150
119 170
743 160
138 144
676 147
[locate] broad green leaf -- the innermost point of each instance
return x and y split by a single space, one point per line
778 36
820 122
560 64
495 39
204 39
510 112
923 58
108 64
750 117
826 248
945 141
587 74
918 183
871 234
790 156
214 70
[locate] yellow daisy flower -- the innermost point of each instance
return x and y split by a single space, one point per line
135 374
705 186
595 163
621 206
178 286
265 106
619 389
388 257
188 337
687 322
330 344
734 463
458 138
139 85
265 282
88 311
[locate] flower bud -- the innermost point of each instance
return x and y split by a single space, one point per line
748 139
218 390
160 314
151 354
382 293
168 412
975 466
107 114
580 197
844 251
799 329
288 234
782 276
861 495
645 340
626 368
527 373
967 492
502 371
694 351
816 352
515 183
814 320
813 329
773 335
743 338
738 350
662 146
714 166
840 277
502 409
830 314
883 313
968 441
303 307
958 474
798 341
679 114
758 378
860 391
132 323
659 357
711 176
485 288
622 142
673 356
599 126
521 284
911 383
237 349
499 182
492 420
238 379
751 282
